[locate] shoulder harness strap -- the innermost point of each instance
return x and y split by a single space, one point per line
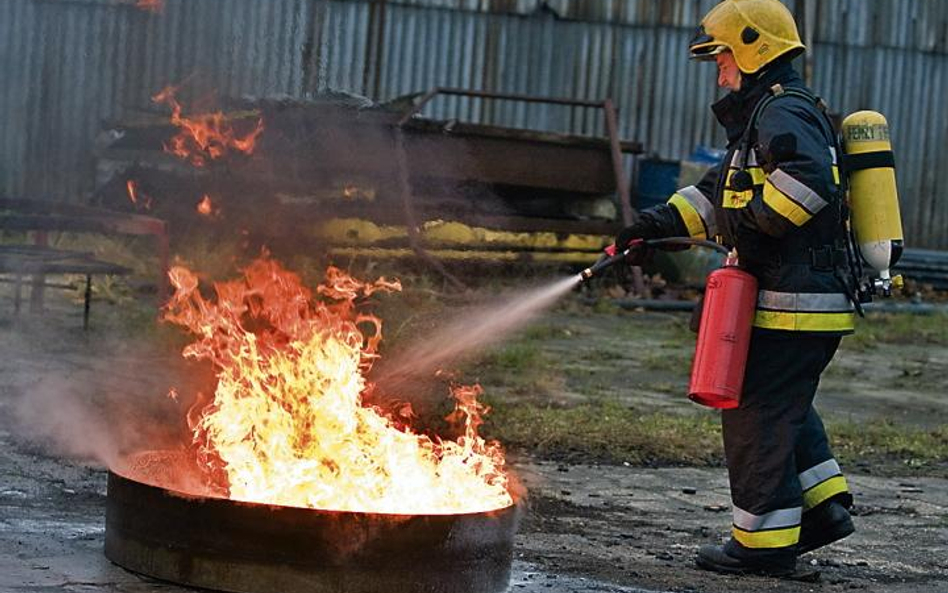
775 92
854 264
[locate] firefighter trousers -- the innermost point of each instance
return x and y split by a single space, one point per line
779 461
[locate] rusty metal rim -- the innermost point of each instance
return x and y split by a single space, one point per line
245 547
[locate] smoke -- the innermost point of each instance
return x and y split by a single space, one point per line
90 401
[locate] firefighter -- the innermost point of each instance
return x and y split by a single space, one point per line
777 198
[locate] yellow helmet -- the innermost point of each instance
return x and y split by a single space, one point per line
757 32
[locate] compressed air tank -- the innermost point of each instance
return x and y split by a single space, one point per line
873 197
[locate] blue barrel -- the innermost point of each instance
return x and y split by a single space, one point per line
657 181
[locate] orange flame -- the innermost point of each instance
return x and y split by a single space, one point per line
204 137
154 6
205 207
132 191
287 425
137 197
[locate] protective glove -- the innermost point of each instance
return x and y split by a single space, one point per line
633 235
629 234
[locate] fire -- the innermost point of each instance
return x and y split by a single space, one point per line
155 6
287 424
137 197
204 137
205 207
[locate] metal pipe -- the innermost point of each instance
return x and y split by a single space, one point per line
519 97
87 303
622 183
431 94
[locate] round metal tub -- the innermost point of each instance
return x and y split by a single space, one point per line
217 543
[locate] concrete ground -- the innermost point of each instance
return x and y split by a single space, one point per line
65 395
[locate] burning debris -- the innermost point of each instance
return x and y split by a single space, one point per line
206 207
138 198
287 425
204 137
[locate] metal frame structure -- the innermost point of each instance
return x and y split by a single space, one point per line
616 146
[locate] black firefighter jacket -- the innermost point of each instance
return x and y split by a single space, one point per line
783 215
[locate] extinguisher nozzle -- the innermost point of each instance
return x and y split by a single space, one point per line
601 264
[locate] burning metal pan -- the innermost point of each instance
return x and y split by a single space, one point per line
217 543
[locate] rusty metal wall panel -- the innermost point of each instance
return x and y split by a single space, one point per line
909 88
913 24
69 65
629 12
17 39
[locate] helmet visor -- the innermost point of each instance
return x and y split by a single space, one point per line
704 46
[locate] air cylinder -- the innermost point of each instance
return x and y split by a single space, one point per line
873 197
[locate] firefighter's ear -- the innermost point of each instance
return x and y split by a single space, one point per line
782 147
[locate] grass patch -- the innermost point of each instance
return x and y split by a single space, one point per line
898 328
519 357
519 367
543 332
671 361
608 432
887 447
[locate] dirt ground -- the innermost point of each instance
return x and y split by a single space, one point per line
585 527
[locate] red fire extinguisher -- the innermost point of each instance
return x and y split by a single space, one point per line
730 299
717 372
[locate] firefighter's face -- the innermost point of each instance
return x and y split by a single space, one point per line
729 75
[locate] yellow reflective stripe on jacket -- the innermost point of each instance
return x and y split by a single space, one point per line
696 210
740 199
804 322
737 199
773 538
802 311
824 490
812 302
832 151
797 191
757 175
791 199
691 217
784 206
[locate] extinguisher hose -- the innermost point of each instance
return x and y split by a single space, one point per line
607 261
688 241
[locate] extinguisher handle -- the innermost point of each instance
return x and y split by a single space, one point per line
610 257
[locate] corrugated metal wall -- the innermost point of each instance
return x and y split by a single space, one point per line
69 65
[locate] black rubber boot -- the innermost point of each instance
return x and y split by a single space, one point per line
730 559
825 524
